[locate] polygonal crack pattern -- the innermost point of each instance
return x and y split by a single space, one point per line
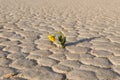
92 49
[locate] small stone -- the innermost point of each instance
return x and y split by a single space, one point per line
81 75
115 60
71 63
101 53
61 68
41 73
47 61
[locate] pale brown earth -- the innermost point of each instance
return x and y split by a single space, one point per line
92 29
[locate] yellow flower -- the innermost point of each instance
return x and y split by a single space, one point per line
51 38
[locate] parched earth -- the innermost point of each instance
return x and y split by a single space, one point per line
92 29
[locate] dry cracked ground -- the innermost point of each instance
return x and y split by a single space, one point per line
92 29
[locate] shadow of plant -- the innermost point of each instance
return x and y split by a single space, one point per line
80 41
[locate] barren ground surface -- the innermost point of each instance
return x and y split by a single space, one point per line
92 28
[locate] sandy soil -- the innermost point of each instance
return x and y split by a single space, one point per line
92 29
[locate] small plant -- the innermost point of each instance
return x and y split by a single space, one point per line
58 38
